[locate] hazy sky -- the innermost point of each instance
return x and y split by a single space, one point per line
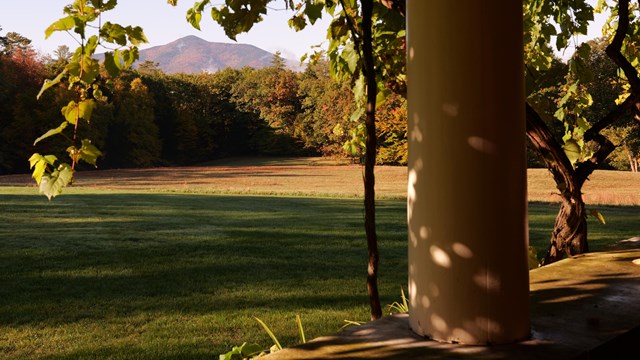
162 24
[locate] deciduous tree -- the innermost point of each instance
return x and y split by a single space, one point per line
584 147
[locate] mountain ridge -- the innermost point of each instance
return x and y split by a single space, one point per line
191 54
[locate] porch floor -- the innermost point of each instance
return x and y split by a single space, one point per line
585 307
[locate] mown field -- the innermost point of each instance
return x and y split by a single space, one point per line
175 263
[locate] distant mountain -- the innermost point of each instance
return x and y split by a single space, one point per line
191 54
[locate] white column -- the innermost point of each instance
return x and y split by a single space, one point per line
467 211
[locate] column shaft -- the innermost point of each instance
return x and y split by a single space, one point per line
467 210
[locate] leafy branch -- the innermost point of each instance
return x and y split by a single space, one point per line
82 75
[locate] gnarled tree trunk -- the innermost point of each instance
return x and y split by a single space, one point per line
569 236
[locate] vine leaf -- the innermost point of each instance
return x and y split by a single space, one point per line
39 164
85 109
572 149
70 112
49 83
89 153
64 24
51 184
52 132
313 11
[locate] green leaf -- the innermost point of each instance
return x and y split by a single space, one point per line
91 45
580 70
34 159
297 22
358 89
250 349
51 185
199 6
104 5
89 153
81 25
194 17
572 150
52 132
338 28
351 148
357 114
85 109
49 83
561 42
381 96
244 351
90 69
313 11
70 112
73 68
582 123
559 114
350 56
39 164
64 24
110 64
114 33
129 57
136 35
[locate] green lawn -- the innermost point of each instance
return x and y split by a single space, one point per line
95 274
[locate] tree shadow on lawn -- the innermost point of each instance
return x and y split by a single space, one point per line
101 256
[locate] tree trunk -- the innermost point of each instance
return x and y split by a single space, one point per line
569 236
633 163
370 161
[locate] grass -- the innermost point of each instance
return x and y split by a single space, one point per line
134 270
181 276
622 223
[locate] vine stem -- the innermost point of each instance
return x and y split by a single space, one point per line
370 159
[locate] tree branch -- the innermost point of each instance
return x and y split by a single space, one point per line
614 49
546 144
352 26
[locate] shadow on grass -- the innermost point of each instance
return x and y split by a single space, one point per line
201 263
100 256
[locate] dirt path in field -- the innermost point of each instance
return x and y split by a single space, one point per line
316 177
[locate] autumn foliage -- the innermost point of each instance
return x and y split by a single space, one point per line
151 118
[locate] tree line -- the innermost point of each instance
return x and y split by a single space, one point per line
155 119
150 118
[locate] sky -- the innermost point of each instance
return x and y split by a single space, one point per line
162 24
